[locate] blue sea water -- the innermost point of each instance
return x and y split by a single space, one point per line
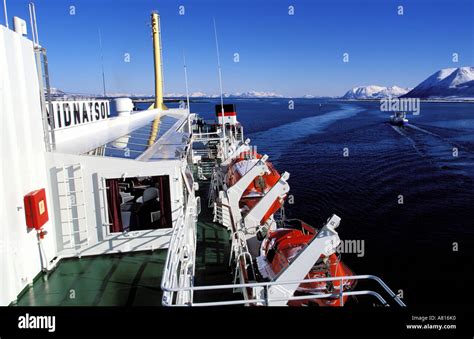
422 247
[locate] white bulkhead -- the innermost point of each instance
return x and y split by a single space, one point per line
91 147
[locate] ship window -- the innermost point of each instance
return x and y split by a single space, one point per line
139 203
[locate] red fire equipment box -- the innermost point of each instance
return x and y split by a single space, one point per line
36 210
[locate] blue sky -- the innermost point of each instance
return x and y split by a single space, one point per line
291 55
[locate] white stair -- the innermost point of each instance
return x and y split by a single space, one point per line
73 207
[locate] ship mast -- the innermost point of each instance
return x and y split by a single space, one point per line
155 27
220 86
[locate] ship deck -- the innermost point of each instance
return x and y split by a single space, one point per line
131 279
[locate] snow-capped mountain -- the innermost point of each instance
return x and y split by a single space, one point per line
250 94
374 92
446 83
59 94
56 91
256 94
197 95
175 95
126 95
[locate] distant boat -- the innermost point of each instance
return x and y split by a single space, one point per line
398 119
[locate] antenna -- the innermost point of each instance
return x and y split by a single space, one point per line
102 62
219 69
5 12
186 82
34 27
220 82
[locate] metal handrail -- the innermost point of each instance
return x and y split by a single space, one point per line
200 134
276 283
173 246
305 297
244 254
266 285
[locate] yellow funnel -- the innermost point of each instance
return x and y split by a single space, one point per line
155 27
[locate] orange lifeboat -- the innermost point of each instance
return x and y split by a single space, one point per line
259 187
281 246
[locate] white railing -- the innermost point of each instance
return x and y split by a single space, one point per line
207 153
178 273
221 217
208 136
239 250
265 299
259 291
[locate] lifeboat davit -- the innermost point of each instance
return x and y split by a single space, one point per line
281 246
258 188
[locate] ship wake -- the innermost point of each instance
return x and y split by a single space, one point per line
439 151
285 135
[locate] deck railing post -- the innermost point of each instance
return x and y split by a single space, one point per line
341 289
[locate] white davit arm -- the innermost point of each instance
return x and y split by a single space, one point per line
324 243
234 193
278 191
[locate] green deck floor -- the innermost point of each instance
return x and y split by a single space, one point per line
131 279
109 280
